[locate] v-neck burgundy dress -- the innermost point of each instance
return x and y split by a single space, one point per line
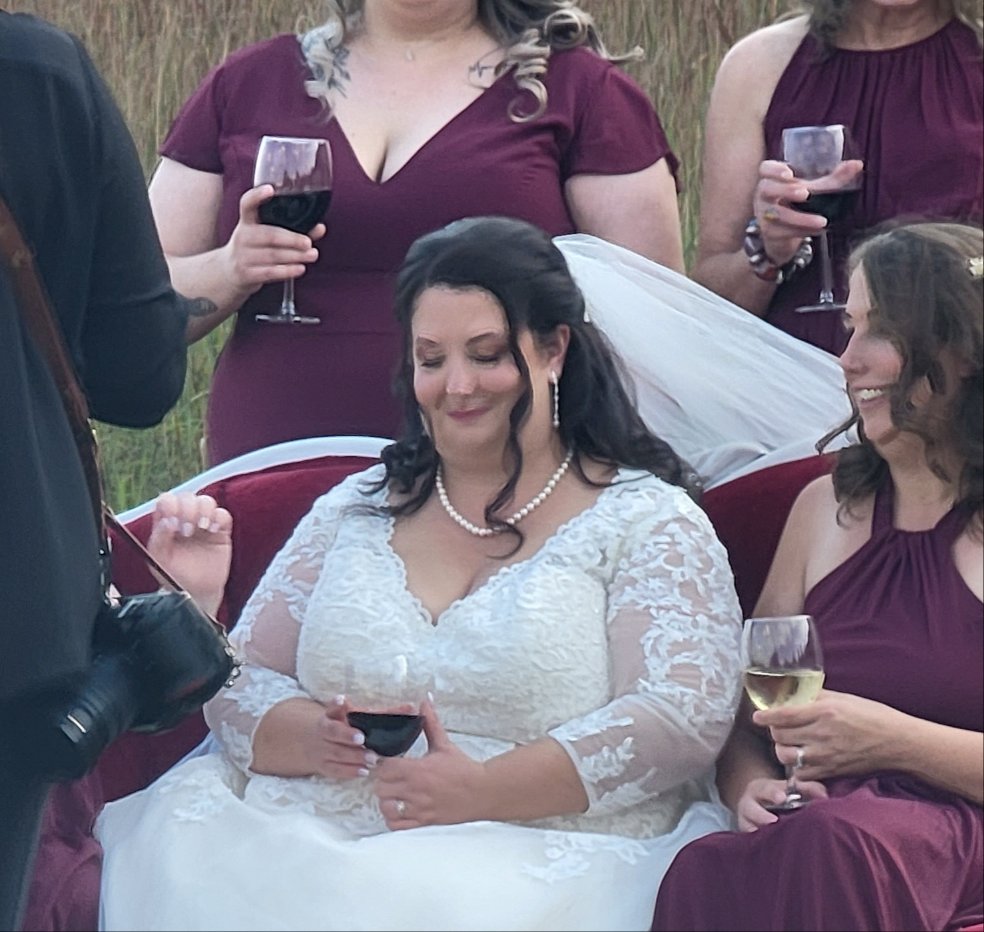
887 851
274 383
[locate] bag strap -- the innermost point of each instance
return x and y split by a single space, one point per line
40 319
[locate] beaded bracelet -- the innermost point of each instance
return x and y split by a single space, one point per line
763 266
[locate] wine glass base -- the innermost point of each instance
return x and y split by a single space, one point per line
822 306
286 319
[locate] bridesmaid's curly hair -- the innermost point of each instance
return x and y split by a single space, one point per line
528 31
926 293
827 17
518 265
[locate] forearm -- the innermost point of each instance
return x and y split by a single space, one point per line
282 739
950 758
207 278
533 781
731 276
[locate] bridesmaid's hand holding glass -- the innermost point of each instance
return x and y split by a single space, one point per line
260 253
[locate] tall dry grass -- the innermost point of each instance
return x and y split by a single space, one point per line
153 53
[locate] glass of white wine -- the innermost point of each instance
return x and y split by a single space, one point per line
783 665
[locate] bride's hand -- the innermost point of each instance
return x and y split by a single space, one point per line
192 539
761 792
444 787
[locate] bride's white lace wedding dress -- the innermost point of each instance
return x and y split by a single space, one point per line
619 638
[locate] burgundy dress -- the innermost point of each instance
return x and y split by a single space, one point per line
275 383
886 851
916 115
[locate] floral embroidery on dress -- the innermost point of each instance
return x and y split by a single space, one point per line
618 638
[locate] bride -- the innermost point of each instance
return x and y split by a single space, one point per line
533 547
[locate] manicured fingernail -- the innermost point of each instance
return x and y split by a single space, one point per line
214 527
363 772
339 699
372 758
430 697
171 523
204 523
187 529
359 738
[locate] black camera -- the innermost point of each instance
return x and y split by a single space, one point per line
157 658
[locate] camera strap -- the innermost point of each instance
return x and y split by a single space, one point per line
39 317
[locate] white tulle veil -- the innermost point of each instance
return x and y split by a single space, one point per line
728 391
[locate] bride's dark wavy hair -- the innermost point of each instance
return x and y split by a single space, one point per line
926 290
518 265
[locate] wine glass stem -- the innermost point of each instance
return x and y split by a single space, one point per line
287 307
826 270
792 791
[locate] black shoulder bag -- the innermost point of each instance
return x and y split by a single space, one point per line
156 657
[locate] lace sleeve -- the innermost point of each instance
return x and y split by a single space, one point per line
674 626
267 633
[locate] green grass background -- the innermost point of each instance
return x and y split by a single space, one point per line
153 53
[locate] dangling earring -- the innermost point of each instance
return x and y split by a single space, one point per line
555 382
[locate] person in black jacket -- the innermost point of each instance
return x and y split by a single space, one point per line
71 176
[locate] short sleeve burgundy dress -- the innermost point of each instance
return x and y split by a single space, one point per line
276 383
886 851
916 114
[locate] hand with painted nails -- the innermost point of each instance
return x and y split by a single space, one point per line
336 749
192 539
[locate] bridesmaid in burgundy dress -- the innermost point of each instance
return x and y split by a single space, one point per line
905 76
434 111
887 556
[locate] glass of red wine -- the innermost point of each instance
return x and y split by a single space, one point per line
813 153
300 171
384 697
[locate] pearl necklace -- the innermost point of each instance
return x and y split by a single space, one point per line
512 519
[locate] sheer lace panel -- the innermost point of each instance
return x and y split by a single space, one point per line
673 627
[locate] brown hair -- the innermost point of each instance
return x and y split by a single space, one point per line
927 297
827 17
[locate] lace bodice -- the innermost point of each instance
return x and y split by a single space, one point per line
618 638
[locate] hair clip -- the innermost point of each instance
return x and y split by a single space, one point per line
975 266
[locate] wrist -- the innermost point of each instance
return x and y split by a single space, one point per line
763 266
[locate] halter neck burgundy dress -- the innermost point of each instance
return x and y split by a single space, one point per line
898 625
916 114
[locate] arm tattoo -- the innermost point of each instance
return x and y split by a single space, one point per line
201 307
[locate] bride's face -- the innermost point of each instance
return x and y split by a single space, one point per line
464 376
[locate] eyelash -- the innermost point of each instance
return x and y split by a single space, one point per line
482 360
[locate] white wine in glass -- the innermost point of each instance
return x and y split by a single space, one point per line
783 665
300 171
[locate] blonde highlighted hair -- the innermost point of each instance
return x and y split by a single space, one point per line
528 31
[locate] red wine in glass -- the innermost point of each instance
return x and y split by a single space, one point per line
300 171
830 204
813 153
298 213
388 733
